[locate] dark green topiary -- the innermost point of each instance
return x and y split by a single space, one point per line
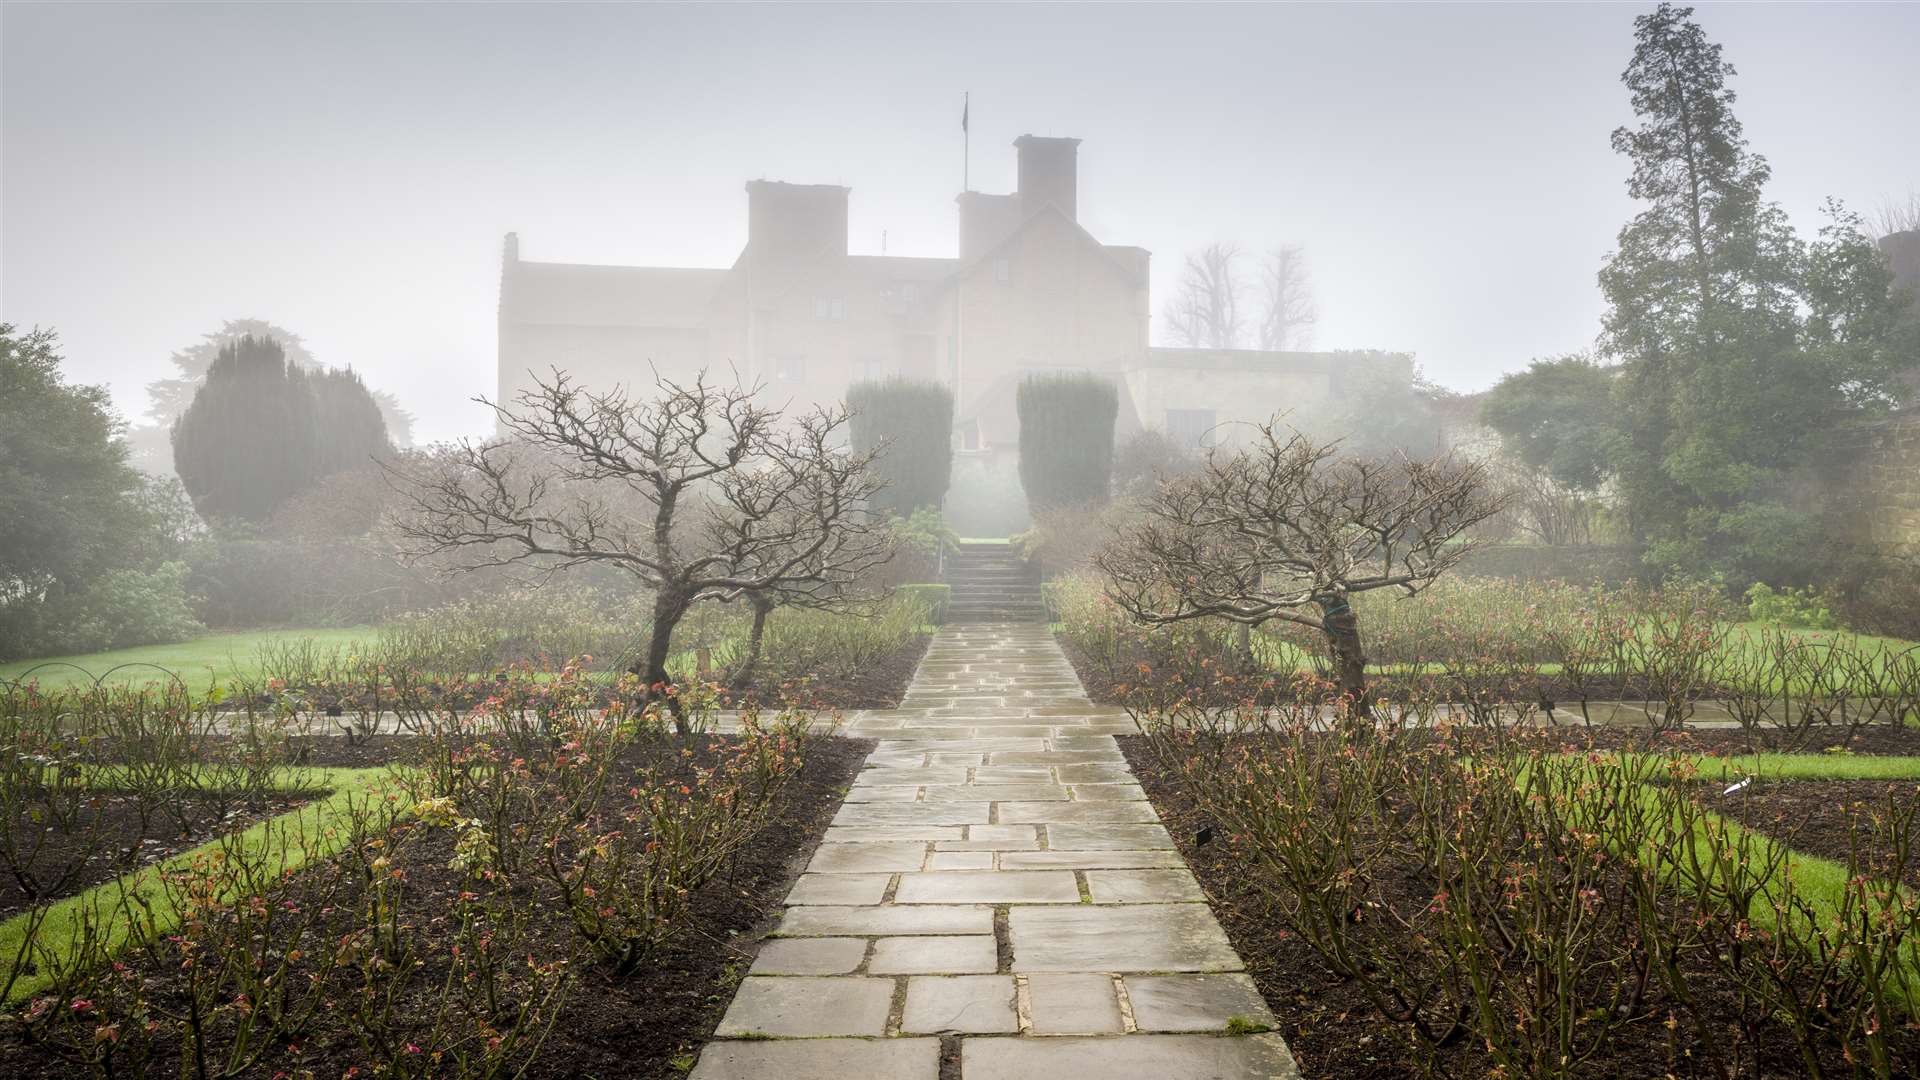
261 429
1066 439
915 421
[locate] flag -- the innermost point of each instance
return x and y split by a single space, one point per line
965 107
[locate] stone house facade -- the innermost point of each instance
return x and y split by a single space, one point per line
1030 290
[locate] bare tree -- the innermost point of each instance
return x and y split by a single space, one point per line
1898 215
1265 532
1204 312
699 493
1287 321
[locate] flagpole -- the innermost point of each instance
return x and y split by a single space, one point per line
959 289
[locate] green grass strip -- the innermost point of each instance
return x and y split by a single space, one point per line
312 823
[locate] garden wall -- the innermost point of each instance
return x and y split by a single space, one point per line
1873 493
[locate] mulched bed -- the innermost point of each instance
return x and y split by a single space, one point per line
1815 816
1333 1029
632 1027
107 839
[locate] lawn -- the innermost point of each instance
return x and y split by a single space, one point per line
1281 655
201 662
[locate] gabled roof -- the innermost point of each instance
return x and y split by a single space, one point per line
1110 255
580 294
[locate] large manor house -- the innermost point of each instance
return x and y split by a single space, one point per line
1030 291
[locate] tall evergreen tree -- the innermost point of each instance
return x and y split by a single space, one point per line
1724 387
169 397
349 431
914 422
249 439
1066 439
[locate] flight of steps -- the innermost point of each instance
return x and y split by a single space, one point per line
991 583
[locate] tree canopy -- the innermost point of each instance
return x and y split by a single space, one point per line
261 429
1558 416
1743 351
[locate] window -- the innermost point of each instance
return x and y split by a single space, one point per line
868 368
829 307
1191 428
1002 271
790 368
909 294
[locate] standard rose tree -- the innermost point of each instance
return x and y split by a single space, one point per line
1290 529
698 492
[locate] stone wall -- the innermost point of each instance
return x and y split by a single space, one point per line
1872 490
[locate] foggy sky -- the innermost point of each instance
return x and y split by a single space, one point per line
348 171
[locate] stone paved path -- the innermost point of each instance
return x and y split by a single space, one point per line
996 887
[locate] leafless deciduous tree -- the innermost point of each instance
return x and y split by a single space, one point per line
1204 312
1898 215
1264 533
698 492
1288 318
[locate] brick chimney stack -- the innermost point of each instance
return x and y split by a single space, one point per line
1049 173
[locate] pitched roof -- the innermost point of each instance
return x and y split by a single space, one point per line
578 294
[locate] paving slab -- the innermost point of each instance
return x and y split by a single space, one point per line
1072 859
974 813
808 1006
1073 1004
821 1059
810 956
974 954
839 889
885 856
961 860
967 1004
1143 886
1129 1057
1119 937
1048 813
1107 837
991 887
885 919
1108 793
1195 1002
996 792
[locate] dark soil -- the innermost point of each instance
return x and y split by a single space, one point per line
636 1026
1874 741
1335 1031
106 838
1820 817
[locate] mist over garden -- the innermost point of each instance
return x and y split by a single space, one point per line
840 662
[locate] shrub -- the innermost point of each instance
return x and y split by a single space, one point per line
242 583
119 609
1789 607
913 420
1066 439
1146 458
1065 538
921 543
934 597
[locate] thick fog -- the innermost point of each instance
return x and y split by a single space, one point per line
348 171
